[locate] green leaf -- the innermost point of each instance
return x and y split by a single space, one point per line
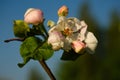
34 48
27 49
20 28
26 60
45 51
71 55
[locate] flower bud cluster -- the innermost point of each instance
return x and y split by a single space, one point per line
67 33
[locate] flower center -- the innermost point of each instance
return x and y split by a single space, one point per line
67 31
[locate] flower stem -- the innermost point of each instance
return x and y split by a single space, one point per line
14 39
46 68
45 30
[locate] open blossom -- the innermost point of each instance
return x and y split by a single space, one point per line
75 34
33 16
63 11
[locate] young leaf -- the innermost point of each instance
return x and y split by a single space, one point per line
45 51
20 28
28 47
26 60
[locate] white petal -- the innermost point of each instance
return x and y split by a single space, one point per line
28 11
91 42
83 30
52 29
90 38
75 23
60 26
62 18
56 46
83 23
66 45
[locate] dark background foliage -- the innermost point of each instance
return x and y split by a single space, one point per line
105 63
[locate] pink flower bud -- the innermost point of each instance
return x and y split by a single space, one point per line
33 16
78 46
55 39
63 11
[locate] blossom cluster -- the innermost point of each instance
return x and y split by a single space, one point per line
67 33
71 33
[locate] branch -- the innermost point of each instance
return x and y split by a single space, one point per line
14 39
46 68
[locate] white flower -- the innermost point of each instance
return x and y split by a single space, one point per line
75 35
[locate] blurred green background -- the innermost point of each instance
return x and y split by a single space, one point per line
103 65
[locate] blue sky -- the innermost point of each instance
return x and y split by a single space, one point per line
14 9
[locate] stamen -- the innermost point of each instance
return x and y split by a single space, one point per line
67 31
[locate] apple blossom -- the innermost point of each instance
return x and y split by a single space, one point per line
75 35
33 16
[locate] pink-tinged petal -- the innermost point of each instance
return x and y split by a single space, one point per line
78 46
55 39
33 16
91 42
